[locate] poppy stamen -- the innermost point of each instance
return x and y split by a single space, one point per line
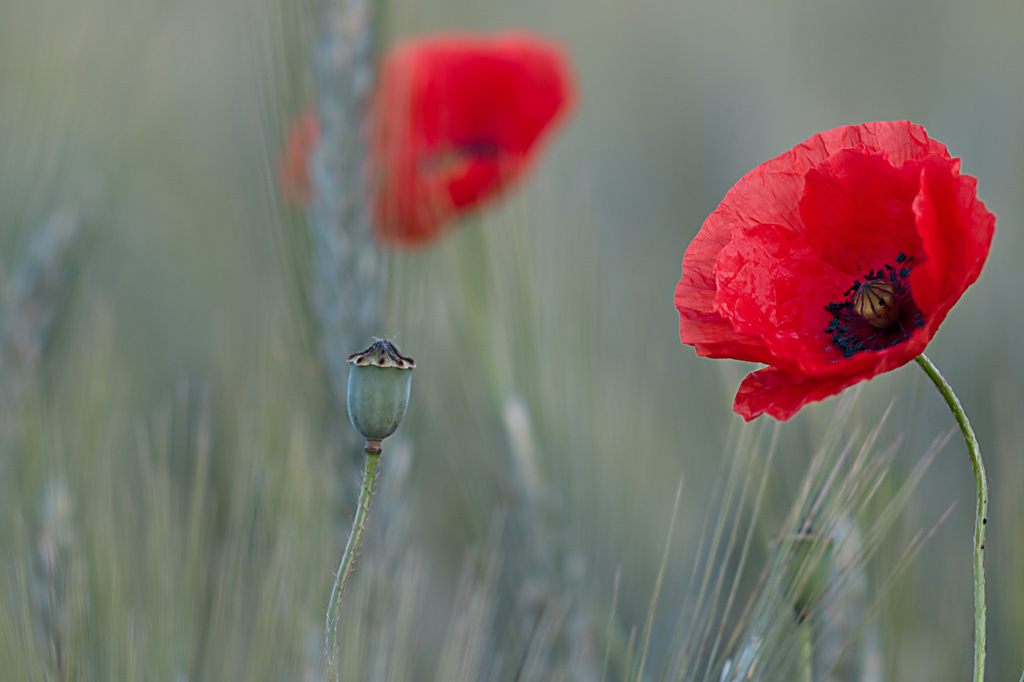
876 312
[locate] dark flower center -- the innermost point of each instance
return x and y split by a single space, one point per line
876 313
446 160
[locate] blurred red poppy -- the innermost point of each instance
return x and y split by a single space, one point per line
833 263
456 119
292 167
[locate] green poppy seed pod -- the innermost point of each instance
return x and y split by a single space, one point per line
875 301
806 561
378 389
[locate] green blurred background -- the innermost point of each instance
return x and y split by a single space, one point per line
160 123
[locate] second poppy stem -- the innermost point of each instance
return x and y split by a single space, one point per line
981 515
372 452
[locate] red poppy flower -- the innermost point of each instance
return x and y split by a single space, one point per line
456 119
833 263
292 167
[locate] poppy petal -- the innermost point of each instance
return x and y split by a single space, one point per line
293 164
856 209
781 394
456 120
772 284
956 231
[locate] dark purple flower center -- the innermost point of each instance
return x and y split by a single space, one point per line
875 313
445 159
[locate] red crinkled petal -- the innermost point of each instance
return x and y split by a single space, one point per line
856 210
781 394
771 193
898 141
700 325
714 337
956 230
771 284
456 119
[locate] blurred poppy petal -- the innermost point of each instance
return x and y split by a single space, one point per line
292 169
457 118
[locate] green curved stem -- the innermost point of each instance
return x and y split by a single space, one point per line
981 516
372 452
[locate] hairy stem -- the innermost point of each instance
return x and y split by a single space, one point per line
981 515
372 452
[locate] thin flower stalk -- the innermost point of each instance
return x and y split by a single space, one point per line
372 460
379 383
981 511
